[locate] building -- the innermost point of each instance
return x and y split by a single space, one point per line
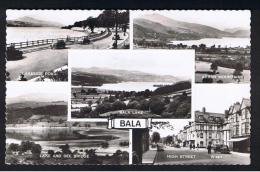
231 128
236 130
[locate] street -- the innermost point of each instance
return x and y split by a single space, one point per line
199 157
105 43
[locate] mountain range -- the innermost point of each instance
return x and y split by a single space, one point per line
31 22
96 75
164 28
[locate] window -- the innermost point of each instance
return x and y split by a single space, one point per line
247 130
246 113
210 135
201 127
210 127
237 130
243 128
201 143
201 117
201 135
236 117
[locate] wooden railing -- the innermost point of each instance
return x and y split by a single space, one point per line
27 44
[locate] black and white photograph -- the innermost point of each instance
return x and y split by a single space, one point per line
38 133
134 84
221 39
219 134
38 40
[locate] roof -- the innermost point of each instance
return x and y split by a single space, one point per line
246 102
206 117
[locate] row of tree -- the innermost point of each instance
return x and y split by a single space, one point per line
107 19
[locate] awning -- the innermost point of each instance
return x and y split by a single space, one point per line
238 139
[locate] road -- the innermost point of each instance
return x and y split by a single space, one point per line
199 157
105 43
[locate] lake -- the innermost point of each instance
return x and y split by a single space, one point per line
23 34
223 42
128 86
77 138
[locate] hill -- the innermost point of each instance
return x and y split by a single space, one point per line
106 75
25 110
31 22
158 26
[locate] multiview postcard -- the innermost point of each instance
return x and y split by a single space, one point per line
128 87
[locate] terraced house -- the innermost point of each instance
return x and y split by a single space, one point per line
231 128
236 129
205 129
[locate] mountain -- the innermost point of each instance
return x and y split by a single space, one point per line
238 32
107 75
164 28
31 22
25 110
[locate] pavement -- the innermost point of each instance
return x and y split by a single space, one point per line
185 156
149 157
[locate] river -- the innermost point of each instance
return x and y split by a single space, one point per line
223 42
23 34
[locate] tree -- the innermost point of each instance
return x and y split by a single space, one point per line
156 106
36 151
65 149
214 67
85 110
104 144
144 105
118 105
156 137
51 153
169 139
133 105
13 147
91 23
25 146
103 107
238 71
183 110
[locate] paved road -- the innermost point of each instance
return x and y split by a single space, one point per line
101 44
199 157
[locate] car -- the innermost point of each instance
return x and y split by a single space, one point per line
13 53
84 40
58 44
221 149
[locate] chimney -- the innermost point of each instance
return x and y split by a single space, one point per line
204 110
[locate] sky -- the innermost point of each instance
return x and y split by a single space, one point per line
216 18
177 124
176 63
65 17
55 91
219 97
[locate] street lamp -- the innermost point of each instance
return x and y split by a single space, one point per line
116 35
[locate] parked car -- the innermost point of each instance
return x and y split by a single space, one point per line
221 149
59 44
84 40
13 54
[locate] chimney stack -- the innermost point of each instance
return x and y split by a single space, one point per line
204 110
